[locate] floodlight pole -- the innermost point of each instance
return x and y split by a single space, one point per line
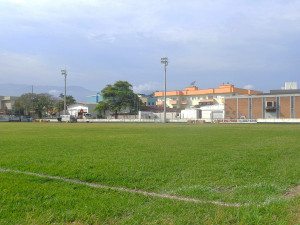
64 73
165 62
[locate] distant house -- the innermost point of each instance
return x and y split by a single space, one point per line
197 103
6 103
81 110
192 97
148 100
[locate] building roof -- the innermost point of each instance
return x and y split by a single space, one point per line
223 89
290 91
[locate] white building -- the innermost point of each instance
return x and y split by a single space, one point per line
76 109
208 112
81 110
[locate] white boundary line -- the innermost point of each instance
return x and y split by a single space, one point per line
135 191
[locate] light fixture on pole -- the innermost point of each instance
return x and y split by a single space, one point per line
64 73
165 62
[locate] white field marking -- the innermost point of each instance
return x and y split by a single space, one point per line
224 189
136 191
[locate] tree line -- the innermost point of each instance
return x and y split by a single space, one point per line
116 98
40 105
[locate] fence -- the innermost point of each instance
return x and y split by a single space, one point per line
130 120
235 121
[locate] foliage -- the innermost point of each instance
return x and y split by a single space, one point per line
43 104
70 100
255 163
118 97
40 104
102 107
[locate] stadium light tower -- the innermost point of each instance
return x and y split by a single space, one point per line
64 73
165 62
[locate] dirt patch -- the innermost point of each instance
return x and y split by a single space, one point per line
293 192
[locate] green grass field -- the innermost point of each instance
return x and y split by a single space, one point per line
254 165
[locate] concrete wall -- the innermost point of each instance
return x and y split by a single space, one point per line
190 114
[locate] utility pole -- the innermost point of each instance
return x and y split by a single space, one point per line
64 73
165 62
32 102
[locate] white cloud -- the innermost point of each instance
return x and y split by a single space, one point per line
200 21
249 87
220 36
54 92
146 88
101 37
17 1
14 62
23 68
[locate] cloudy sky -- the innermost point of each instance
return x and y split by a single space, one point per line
249 43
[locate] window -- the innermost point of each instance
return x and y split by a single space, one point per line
234 112
205 103
270 104
227 112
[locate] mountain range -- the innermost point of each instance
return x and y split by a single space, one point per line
79 93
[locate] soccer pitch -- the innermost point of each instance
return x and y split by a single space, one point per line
149 173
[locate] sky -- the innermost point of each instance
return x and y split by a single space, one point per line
251 44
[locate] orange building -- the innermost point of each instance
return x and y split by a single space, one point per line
193 97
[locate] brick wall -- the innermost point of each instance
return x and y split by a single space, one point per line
271 99
243 107
285 107
297 107
230 108
257 108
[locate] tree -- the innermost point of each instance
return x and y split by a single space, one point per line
29 103
102 107
24 104
118 97
70 100
43 103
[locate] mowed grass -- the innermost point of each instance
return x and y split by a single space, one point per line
216 162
